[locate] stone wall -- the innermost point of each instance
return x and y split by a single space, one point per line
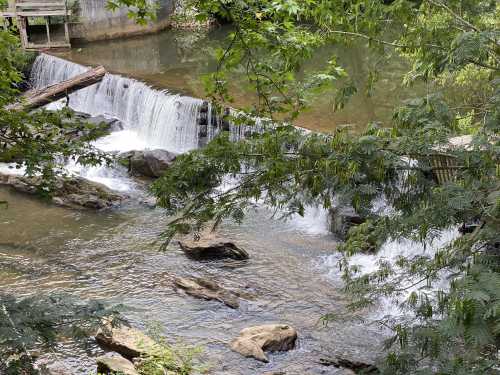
95 22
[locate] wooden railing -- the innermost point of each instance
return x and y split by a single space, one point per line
35 8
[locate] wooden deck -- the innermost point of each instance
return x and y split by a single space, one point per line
22 11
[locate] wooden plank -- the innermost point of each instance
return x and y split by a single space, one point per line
41 5
53 45
66 33
42 13
39 9
38 98
47 28
23 24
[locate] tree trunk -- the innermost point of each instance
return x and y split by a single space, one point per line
37 98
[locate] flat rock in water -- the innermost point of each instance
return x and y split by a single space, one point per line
207 290
211 247
129 342
253 341
73 192
113 363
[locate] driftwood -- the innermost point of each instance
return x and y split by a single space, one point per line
37 98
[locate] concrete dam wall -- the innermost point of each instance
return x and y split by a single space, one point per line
95 22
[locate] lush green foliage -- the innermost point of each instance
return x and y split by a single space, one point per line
453 47
178 360
31 324
40 141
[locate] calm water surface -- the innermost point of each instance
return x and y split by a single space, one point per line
112 256
177 60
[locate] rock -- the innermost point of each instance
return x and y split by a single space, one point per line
129 342
113 363
204 107
106 123
149 202
73 192
58 371
207 290
211 247
81 115
148 163
353 365
468 228
57 368
253 341
342 219
202 131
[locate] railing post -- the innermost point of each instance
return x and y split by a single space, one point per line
48 29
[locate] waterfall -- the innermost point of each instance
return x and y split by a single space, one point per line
160 119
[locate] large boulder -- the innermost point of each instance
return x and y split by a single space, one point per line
342 219
73 192
104 124
207 290
113 363
148 163
210 247
253 341
129 342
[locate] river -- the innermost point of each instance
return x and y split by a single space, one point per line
114 256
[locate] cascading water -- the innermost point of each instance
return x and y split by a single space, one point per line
160 119
151 118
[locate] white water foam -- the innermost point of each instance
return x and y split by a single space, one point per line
114 178
315 221
390 252
161 119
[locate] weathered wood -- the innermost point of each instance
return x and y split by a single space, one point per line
43 13
38 98
37 5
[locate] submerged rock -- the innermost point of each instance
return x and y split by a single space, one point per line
129 342
73 192
211 247
57 368
148 163
113 363
207 290
253 341
349 364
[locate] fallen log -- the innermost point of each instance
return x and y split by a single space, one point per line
39 97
